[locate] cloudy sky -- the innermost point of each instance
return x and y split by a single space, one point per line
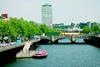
64 11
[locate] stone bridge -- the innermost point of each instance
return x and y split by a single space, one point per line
55 39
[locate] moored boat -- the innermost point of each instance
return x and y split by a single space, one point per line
40 54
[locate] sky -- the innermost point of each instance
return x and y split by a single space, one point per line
64 11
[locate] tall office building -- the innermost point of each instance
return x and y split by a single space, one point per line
47 14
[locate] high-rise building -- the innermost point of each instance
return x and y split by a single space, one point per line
47 14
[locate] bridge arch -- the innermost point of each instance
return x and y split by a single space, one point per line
44 41
65 40
79 40
57 40
73 40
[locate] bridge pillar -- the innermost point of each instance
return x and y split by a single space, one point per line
52 39
73 39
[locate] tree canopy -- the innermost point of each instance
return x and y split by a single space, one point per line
15 27
95 28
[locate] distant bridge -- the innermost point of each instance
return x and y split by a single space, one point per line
55 39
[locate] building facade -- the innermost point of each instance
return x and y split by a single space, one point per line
47 14
4 16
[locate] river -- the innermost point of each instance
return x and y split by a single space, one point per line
63 55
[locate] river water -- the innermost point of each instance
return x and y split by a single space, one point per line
63 55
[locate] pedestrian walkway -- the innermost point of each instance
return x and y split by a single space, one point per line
21 54
25 52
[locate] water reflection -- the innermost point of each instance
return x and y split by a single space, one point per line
64 41
79 40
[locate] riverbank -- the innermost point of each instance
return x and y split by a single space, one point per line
26 52
93 40
21 54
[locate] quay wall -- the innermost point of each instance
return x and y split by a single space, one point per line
9 54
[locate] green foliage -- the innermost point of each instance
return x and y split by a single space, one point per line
49 31
53 31
86 29
43 28
99 27
95 28
15 27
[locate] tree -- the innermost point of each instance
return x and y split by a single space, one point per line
95 28
86 29
15 27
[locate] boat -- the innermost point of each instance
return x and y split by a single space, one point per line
40 54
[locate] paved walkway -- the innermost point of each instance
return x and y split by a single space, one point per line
21 54
25 52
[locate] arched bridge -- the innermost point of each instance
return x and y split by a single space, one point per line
55 39
70 38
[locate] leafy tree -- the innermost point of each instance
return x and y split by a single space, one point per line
95 28
15 27
86 29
